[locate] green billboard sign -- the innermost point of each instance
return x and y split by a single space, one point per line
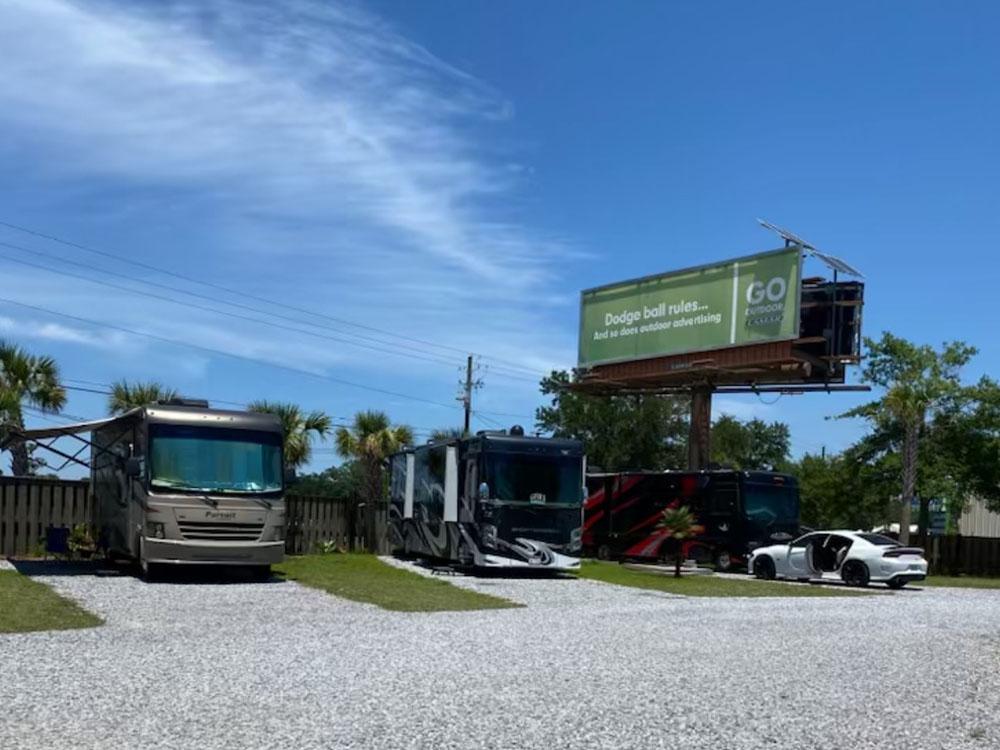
742 301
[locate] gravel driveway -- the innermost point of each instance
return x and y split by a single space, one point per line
584 665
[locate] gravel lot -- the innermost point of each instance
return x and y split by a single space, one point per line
585 665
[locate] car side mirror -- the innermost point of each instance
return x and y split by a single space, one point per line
133 467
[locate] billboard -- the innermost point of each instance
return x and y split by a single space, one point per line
741 301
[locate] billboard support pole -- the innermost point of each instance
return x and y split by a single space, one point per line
700 428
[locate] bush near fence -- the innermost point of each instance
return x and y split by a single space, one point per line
30 505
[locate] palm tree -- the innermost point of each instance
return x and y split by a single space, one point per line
369 441
26 380
442 434
298 429
680 522
126 396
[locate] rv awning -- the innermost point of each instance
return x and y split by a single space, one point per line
15 435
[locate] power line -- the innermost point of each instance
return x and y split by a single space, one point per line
216 311
219 352
245 294
106 391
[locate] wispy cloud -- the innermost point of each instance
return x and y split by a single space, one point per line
28 328
299 110
326 159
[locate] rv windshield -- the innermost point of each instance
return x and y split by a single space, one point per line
209 459
536 478
769 503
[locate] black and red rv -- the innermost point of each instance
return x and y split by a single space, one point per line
736 512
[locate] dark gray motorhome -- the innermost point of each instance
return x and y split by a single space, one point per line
180 483
495 500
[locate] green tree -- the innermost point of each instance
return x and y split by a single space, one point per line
681 524
751 445
918 383
369 441
447 433
26 380
618 432
845 490
962 456
126 396
344 482
298 428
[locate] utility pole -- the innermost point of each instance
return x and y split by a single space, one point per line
467 394
470 384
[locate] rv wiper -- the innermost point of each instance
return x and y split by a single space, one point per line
209 501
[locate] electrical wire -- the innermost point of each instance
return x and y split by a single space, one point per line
219 352
239 293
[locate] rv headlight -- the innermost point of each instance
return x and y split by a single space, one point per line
155 529
278 533
489 535
574 539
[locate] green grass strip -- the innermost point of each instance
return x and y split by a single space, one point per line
365 578
961 582
27 606
702 585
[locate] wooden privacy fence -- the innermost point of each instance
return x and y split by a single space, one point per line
968 555
29 505
310 521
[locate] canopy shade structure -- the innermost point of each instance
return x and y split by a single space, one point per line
16 435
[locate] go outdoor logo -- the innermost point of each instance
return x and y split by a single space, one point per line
766 302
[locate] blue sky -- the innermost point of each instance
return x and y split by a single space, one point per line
455 172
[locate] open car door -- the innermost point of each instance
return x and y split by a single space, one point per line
800 556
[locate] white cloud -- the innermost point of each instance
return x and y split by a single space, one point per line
305 110
338 163
49 331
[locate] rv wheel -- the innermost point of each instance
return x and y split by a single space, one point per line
723 562
151 573
604 552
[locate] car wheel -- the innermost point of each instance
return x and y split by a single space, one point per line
604 552
723 562
896 584
763 568
855 573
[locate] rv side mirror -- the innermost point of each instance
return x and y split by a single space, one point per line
484 491
133 467
290 476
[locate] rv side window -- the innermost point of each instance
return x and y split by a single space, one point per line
723 501
397 488
429 471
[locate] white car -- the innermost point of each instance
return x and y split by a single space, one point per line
855 557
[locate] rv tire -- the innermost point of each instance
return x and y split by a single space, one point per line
723 562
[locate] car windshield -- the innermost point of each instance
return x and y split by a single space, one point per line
882 541
208 459
771 502
536 478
